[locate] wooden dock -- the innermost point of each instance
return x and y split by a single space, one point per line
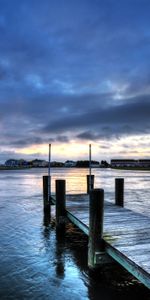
125 234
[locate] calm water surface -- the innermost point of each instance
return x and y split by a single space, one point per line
35 263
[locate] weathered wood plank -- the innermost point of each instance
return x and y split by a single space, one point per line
129 265
77 222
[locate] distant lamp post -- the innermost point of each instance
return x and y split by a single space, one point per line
90 154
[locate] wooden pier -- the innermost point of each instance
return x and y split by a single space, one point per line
126 234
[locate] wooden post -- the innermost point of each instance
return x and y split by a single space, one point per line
96 213
46 200
90 183
119 191
60 203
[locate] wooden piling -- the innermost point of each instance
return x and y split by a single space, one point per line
90 183
46 200
119 191
96 213
60 203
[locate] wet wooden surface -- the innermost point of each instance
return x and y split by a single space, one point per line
126 233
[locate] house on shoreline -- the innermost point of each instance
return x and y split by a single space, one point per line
16 163
39 163
70 163
19 163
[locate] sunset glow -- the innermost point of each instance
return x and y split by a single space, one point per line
128 147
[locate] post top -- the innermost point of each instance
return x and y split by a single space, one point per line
60 180
97 191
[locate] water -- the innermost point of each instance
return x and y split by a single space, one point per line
35 262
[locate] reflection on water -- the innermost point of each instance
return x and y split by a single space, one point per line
36 262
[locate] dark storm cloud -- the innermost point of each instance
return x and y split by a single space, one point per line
27 141
130 117
81 117
73 70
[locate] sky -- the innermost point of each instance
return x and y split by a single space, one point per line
74 73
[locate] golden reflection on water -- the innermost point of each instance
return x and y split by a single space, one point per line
75 179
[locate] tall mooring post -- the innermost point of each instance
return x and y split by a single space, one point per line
60 203
96 216
90 183
46 199
119 191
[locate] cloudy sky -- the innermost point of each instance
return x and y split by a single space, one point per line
74 72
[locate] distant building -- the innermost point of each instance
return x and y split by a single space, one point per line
70 163
95 165
22 162
16 163
86 164
11 163
56 164
123 163
39 163
145 163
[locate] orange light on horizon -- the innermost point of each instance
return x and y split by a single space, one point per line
132 146
72 150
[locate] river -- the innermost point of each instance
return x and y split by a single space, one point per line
35 263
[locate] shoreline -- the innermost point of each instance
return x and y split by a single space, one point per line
3 168
131 168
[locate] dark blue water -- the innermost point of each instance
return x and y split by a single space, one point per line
35 262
